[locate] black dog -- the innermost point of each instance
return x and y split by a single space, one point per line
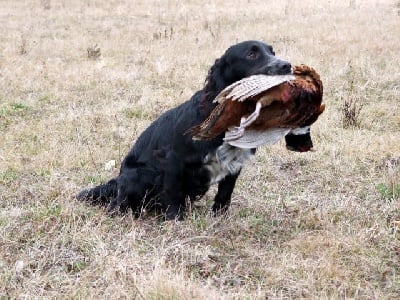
166 167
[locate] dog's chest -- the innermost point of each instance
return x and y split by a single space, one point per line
225 160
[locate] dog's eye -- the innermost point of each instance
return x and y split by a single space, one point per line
253 55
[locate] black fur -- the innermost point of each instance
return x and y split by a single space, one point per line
166 167
299 143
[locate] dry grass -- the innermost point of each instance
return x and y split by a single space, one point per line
318 225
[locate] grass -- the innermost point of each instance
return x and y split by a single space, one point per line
81 80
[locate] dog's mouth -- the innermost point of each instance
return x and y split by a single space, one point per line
273 70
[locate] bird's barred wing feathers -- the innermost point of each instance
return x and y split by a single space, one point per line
251 86
253 138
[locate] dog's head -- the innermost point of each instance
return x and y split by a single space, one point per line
243 60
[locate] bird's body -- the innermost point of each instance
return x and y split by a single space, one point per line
262 104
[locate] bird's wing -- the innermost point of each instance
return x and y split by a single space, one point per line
251 86
204 130
254 138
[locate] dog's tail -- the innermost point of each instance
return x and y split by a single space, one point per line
101 194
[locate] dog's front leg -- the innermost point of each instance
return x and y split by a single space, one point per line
223 198
172 198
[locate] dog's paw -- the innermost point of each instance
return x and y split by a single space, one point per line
83 195
116 207
219 210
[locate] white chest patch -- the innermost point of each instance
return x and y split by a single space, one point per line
225 160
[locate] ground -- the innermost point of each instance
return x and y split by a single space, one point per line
80 80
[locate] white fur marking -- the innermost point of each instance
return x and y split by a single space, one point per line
226 160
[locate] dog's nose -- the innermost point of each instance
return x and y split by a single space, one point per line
279 67
286 67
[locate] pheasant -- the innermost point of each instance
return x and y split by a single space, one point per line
262 109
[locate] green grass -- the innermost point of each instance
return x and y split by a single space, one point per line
389 192
14 109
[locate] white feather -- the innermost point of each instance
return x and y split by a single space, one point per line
300 130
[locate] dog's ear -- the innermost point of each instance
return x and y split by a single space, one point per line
160 155
215 82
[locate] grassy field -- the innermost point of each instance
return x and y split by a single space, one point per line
80 80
